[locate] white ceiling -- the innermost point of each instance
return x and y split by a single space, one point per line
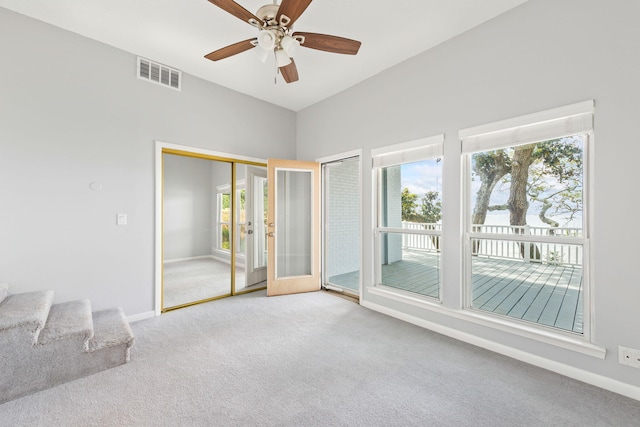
178 33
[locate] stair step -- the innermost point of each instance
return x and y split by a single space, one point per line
110 328
4 291
69 319
26 310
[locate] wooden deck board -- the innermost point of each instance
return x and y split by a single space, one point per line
546 294
541 293
509 305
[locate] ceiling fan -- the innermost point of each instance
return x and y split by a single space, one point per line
275 25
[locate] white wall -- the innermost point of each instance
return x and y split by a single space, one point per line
541 55
72 112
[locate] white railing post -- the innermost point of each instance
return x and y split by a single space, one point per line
526 245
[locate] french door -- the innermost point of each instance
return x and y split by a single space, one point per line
256 225
293 227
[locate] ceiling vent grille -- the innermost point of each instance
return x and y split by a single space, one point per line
160 74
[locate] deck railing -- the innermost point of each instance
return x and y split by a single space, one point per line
552 253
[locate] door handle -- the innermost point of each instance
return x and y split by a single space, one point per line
271 224
249 231
271 234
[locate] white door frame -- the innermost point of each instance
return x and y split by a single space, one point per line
331 159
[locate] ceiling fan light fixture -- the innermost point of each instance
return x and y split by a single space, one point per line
289 44
267 39
282 59
262 54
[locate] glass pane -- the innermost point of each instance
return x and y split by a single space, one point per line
410 262
224 218
536 282
342 224
293 223
533 189
225 243
410 195
194 229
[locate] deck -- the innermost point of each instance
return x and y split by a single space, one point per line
546 294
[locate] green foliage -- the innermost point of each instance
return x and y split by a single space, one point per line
554 177
409 205
225 238
226 200
430 207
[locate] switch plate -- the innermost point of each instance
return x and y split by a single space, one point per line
121 219
629 356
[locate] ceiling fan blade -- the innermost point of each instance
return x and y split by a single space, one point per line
290 72
290 11
238 11
231 50
328 43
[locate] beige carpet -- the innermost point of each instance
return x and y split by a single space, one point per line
313 360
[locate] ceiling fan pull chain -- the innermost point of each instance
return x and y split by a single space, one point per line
275 75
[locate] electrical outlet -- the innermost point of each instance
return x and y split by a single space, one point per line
629 357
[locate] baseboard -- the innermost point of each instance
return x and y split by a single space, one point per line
141 316
597 380
169 261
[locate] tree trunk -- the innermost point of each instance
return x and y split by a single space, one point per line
490 168
518 203
493 170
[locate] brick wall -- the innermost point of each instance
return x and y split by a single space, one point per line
342 219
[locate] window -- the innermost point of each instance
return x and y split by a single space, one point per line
224 218
526 242
241 221
408 226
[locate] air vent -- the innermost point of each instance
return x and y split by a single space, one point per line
160 74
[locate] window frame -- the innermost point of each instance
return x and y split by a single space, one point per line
575 119
395 155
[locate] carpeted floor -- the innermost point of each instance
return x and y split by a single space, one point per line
198 279
312 360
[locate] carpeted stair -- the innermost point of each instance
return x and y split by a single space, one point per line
44 344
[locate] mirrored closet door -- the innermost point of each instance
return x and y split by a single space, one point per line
213 229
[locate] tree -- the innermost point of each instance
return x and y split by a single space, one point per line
431 213
532 171
409 205
431 207
490 167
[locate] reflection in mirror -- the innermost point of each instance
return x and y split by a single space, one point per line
196 229
251 211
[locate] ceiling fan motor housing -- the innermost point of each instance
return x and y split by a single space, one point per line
268 14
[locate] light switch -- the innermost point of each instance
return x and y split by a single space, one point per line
121 219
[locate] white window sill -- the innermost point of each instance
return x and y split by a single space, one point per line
566 341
